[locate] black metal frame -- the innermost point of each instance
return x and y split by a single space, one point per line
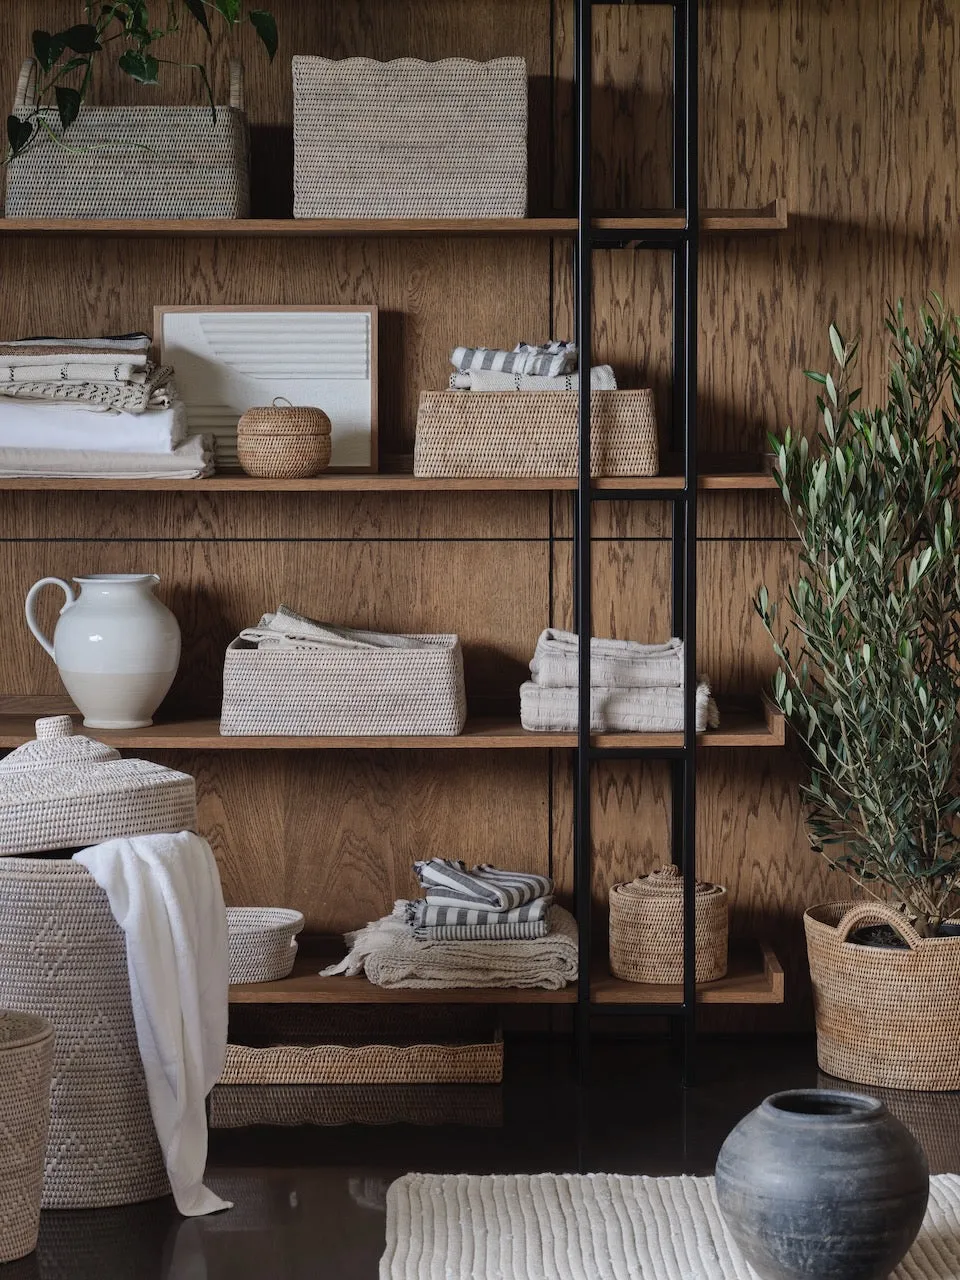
684 245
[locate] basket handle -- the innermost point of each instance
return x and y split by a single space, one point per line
878 913
236 84
26 96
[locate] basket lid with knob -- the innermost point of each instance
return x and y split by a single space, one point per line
63 790
665 882
284 419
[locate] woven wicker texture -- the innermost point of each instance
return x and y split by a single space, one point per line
885 1017
533 433
168 162
238 1106
65 790
932 1118
335 1064
284 442
63 956
263 942
409 139
26 1068
646 929
344 692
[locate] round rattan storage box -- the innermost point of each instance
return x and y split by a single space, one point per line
284 442
646 929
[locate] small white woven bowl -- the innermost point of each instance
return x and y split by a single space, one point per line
263 942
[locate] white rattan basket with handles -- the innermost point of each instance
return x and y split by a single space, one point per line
263 942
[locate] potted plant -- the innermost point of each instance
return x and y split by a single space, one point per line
871 682
67 159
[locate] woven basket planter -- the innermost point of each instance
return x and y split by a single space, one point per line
263 942
344 693
191 168
646 929
533 433
284 442
63 956
26 1068
885 1017
409 139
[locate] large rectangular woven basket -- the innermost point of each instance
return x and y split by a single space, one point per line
343 693
159 162
409 139
534 433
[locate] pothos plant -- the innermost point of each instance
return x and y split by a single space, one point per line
873 682
131 30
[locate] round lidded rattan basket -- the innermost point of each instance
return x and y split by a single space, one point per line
885 1016
26 1070
646 929
284 442
263 942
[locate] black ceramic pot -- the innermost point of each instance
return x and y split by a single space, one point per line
822 1185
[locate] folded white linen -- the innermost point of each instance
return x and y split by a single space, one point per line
390 956
614 664
164 892
189 461
35 424
602 378
74 370
288 630
125 343
614 710
157 389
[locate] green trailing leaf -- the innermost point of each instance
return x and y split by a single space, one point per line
68 105
82 38
19 134
46 48
230 9
265 25
199 12
141 67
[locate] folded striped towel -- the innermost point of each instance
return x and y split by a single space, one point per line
426 915
448 883
484 932
549 360
602 378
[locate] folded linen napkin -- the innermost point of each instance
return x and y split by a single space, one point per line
390 956
614 664
189 461
156 390
549 359
602 378
614 710
37 424
448 883
288 630
427 915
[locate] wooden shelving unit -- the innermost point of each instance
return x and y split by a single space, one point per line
754 976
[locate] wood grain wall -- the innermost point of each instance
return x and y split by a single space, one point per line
849 109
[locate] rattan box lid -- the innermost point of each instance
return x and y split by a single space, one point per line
284 420
664 882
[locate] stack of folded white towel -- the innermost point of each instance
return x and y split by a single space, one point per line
74 407
634 688
479 928
549 366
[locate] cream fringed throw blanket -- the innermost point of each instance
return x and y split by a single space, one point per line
390 956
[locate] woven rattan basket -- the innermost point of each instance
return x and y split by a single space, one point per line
410 139
26 1068
284 442
263 942
473 1106
346 692
646 929
168 162
533 433
63 956
885 1016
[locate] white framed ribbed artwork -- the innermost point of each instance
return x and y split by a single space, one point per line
230 359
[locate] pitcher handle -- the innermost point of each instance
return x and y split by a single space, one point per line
29 608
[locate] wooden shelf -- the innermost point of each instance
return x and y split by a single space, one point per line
770 218
755 976
742 725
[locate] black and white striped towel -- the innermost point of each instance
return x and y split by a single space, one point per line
425 915
549 360
448 883
518 932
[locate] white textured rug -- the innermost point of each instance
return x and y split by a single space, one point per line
599 1227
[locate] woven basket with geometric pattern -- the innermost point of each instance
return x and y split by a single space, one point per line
26 1065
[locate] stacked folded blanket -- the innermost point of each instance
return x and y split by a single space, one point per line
93 407
634 688
552 366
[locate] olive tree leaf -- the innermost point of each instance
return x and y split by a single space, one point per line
68 105
19 133
141 67
198 9
265 25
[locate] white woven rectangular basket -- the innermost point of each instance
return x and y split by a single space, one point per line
344 693
166 162
534 433
409 139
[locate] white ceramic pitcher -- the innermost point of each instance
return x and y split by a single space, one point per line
117 648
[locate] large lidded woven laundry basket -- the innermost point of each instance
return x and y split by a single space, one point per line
410 139
533 433
26 1063
167 162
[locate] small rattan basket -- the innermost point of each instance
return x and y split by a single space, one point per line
646 929
885 1016
284 442
263 942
